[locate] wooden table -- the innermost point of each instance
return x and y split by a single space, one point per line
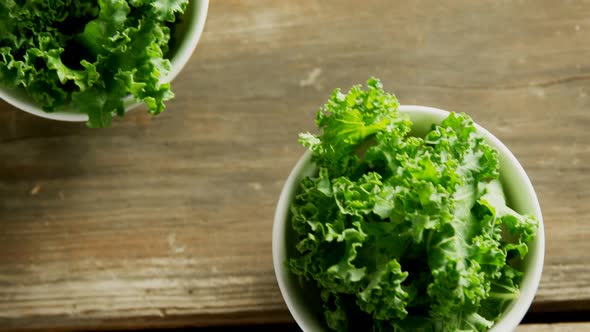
166 221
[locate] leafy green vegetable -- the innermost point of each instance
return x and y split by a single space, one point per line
412 232
88 55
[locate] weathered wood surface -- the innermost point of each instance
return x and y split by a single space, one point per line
167 221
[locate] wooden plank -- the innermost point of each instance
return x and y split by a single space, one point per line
167 221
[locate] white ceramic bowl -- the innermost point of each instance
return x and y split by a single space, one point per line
188 34
517 187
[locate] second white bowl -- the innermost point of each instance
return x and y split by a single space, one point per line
190 31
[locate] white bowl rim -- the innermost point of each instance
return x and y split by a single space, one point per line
183 54
513 314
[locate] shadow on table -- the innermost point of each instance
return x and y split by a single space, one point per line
530 318
246 328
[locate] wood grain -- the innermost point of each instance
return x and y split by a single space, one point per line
167 221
